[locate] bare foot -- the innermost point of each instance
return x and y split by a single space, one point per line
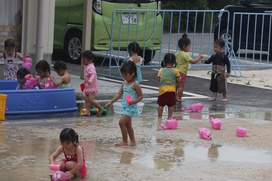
85 114
99 113
212 99
224 100
121 144
132 144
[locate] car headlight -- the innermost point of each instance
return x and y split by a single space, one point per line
98 6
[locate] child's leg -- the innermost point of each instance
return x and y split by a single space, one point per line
130 133
96 104
225 97
122 123
160 110
88 105
214 96
170 112
180 91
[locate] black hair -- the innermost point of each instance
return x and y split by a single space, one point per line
184 41
60 65
43 65
133 46
22 72
220 42
69 135
88 54
129 68
169 58
9 43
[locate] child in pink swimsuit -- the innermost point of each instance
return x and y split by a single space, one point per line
74 161
90 82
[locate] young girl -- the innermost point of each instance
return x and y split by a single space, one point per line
74 161
21 73
11 59
61 69
168 76
183 60
220 62
128 110
90 81
43 73
133 49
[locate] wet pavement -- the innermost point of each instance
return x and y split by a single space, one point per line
26 144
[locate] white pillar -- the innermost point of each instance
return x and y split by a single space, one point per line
40 30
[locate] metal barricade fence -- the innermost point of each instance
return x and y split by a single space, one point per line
159 35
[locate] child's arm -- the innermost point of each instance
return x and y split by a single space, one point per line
57 83
1 55
79 153
193 61
139 92
55 155
116 97
20 56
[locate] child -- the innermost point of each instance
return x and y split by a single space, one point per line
11 58
168 76
43 73
128 110
90 81
183 60
74 161
218 78
133 49
21 73
61 69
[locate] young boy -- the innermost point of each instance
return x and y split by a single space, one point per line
219 63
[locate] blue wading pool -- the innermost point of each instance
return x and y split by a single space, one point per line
33 101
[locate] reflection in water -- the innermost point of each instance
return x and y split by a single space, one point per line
172 155
126 157
195 115
213 152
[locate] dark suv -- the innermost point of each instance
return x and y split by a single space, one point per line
252 25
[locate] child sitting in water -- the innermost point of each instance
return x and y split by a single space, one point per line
43 73
61 69
22 80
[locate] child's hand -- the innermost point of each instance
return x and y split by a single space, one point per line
70 175
227 75
203 61
201 56
108 104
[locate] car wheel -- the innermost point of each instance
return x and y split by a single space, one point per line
228 37
73 46
148 55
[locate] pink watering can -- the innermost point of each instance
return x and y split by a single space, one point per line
194 107
128 98
27 62
30 81
215 123
170 124
241 132
205 133
49 84
59 176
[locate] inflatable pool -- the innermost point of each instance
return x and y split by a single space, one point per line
34 101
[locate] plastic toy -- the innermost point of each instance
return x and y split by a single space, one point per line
27 62
82 87
170 124
215 123
129 98
205 133
30 81
194 107
94 111
59 176
241 132
55 167
48 84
